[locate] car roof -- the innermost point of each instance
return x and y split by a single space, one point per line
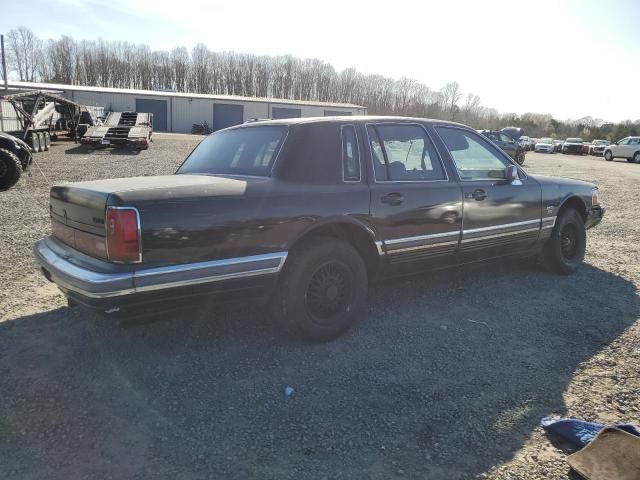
350 119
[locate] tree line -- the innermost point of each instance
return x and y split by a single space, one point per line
120 64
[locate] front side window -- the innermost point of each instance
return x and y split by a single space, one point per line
403 153
624 141
239 151
350 154
506 138
474 158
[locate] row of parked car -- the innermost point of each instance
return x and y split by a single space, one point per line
628 148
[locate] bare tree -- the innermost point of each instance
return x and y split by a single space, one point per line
450 96
24 52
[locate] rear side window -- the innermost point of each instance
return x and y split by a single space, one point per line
350 154
240 151
403 153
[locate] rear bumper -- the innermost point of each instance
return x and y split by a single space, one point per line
133 141
107 290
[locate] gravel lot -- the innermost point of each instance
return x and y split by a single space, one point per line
417 390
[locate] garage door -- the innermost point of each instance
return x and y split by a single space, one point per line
227 115
335 113
159 110
280 112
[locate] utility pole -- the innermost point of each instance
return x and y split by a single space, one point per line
4 63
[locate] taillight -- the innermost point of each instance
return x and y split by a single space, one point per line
123 235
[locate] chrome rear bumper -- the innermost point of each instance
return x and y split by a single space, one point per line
69 276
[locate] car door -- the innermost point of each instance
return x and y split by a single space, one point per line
632 147
499 217
415 206
618 149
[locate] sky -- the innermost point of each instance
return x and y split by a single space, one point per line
569 58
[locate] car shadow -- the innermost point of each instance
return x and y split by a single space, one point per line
446 377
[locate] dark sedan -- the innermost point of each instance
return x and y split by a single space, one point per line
506 143
573 145
306 213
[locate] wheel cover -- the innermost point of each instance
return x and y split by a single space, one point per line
329 292
569 242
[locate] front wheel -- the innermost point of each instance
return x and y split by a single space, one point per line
564 251
636 157
323 289
608 156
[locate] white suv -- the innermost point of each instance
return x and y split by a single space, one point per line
628 148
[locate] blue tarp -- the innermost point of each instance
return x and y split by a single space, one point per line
580 432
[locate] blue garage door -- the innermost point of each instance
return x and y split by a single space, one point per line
335 113
159 110
227 115
280 112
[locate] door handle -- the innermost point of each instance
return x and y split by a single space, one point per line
477 194
394 198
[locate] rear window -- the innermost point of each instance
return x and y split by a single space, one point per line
240 151
574 140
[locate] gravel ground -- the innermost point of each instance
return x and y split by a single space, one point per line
447 378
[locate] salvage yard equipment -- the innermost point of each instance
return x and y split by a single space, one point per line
121 128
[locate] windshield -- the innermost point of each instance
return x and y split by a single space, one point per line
240 151
574 140
546 140
600 142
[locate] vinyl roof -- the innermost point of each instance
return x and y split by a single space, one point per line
163 93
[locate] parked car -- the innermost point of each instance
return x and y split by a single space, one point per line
526 142
307 212
628 148
545 145
557 145
572 145
598 146
506 143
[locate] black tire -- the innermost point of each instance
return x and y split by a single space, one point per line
608 156
636 157
564 251
46 141
10 169
520 158
41 141
34 142
322 291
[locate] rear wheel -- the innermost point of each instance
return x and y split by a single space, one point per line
10 169
564 251
520 158
636 157
40 142
46 141
34 142
608 156
323 289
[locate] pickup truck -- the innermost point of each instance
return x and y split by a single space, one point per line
307 212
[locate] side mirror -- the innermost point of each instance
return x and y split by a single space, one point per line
511 175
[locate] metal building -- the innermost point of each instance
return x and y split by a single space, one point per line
177 112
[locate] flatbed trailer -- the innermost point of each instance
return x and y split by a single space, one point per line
131 129
41 115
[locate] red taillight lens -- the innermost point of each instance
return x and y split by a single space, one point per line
123 237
